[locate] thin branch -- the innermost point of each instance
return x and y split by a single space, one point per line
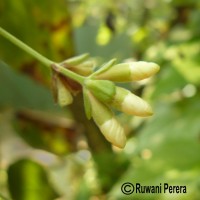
25 47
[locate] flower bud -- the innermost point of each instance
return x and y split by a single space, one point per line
79 64
114 132
84 69
133 71
64 96
75 60
60 90
102 89
141 70
107 123
129 103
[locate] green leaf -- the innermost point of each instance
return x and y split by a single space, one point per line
85 41
188 63
48 35
19 91
27 180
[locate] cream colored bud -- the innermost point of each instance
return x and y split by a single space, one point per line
129 103
113 132
126 72
141 70
134 105
100 112
105 120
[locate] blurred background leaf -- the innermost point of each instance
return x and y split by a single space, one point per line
81 164
166 151
16 88
32 181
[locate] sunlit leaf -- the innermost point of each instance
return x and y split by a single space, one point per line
28 180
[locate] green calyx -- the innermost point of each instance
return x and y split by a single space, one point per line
62 94
81 64
117 73
99 111
104 68
103 90
87 104
119 97
84 69
76 60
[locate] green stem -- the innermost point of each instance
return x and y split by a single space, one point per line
25 47
41 58
76 77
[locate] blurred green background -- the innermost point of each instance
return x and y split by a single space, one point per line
51 153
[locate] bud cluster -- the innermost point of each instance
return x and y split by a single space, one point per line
101 94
